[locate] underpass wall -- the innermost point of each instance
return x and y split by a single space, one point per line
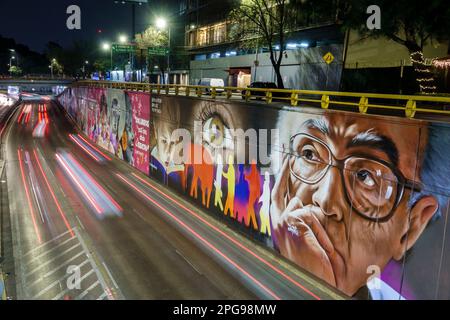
360 201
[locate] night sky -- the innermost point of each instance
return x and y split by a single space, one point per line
36 22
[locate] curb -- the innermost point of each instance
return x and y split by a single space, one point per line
2 282
7 119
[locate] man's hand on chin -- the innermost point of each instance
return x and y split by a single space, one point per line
303 240
300 235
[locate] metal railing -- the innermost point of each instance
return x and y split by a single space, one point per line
391 104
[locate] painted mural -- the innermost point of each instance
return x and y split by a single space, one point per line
359 201
117 121
347 197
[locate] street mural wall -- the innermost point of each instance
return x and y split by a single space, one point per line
115 120
359 201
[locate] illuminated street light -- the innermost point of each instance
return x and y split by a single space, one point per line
107 47
123 39
11 58
161 23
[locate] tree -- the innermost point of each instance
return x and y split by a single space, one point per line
264 23
152 37
72 59
15 71
56 67
412 24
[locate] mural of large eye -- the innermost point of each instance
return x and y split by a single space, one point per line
216 133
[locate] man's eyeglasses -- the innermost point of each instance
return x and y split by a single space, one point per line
373 187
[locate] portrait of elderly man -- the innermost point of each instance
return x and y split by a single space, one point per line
351 192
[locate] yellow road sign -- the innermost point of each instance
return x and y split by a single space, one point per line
328 58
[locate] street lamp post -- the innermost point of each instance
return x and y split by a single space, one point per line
84 68
123 39
11 58
162 24
106 46
10 64
168 60
53 62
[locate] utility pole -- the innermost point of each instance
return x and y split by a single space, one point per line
133 3
168 60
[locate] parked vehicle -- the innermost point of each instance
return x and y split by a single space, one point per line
212 82
259 85
259 95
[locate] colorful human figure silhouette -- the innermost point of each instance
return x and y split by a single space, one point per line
254 184
203 172
264 216
218 183
241 197
231 178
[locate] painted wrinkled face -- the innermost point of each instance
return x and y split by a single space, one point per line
351 177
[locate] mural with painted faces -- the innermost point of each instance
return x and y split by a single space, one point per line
341 202
167 148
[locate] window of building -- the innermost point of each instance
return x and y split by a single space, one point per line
201 37
219 32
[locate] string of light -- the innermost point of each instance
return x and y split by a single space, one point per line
425 79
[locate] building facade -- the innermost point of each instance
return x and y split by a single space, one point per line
213 55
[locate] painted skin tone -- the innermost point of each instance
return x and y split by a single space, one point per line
333 242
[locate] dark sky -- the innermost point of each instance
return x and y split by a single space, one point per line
35 22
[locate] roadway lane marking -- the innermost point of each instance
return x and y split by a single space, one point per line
201 238
54 283
45 243
102 297
186 259
237 243
61 294
79 221
85 292
61 213
30 205
110 275
51 250
139 214
95 266
56 269
51 260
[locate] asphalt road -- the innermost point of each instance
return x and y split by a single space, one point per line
87 226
